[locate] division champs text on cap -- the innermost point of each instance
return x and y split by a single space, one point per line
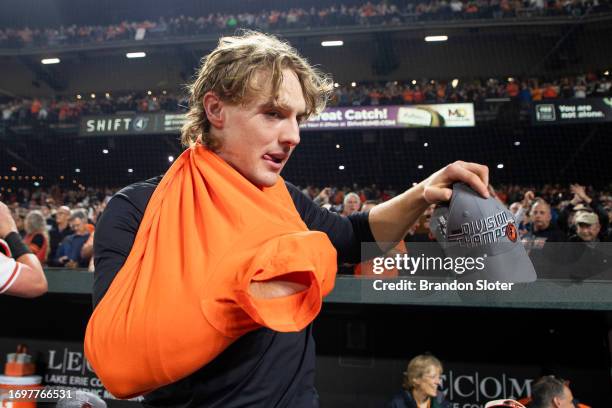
473 226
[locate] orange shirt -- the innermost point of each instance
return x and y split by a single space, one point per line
536 94
408 95
182 296
512 89
550 92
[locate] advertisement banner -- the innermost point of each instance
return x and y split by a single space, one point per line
356 117
61 366
385 117
572 111
131 124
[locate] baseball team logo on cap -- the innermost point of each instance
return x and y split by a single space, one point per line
473 226
511 232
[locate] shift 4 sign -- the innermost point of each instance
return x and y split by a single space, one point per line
120 124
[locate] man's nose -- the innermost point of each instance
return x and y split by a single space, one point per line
290 134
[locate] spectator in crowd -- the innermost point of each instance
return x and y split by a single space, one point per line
69 251
581 201
21 273
422 379
423 234
544 230
551 392
60 229
37 237
351 204
587 227
368 13
323 198
19 219
66 110
87 251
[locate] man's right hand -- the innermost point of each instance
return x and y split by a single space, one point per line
7 223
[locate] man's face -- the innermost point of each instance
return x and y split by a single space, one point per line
258 138
351 205
62 216
540 215
587 232
78 226
566 401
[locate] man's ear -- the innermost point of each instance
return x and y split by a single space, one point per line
213 107
556 402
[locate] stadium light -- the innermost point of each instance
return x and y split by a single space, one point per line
420 166
170 159
139 54
337 146
104 151
79 96
436 38
49 61
425 144
607 73
77 170
130 170
500 166
517 143
414 82
36 184
340 167
353 84
454 83
13 168
335 43
336 85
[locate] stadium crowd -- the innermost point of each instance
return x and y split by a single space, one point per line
69 110
365 14
59 223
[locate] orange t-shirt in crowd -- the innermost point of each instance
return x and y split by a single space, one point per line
536 94
39 251
549 92
183 294
512 89
408 95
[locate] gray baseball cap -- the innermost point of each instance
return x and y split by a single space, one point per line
473 226
81 399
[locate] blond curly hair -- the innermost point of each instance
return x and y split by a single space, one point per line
230 69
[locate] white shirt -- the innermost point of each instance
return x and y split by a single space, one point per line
9 272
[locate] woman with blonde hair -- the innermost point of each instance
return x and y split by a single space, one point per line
37 236
422 380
